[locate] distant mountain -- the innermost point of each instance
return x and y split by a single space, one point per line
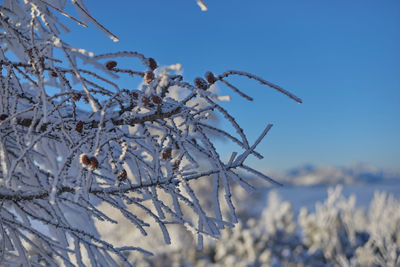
308 175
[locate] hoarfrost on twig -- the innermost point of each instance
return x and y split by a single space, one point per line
73 142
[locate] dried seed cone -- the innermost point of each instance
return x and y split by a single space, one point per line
152 63
76 96
166 154
156 99
79 126
94 163
145 100
111 64
210 77
41 61
148 76
54 74
135 95
200 83
43 127
84 160
3 117
122 175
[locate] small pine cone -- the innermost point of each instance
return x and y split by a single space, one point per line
94 163
3 117
86 99
152 63
111 64
54 74
84 160
166 154
156 99
210 77
79 126
76 96
145 100
148 76
41 61
200 83
135 95
122 175
43 128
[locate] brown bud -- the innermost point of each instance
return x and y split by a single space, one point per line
79 126
41 61
166 154
145 100
200 83
85 160
94 163
111 64
148 76
3 117
122 175
76 96
210 77
54 74
86 99
156 99
135 95
43 127
152 63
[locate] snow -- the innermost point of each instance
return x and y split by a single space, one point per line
202 5
161 135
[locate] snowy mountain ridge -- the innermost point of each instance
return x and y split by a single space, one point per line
310 175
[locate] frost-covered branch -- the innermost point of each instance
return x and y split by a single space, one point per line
71 139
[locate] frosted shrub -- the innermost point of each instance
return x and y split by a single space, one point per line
71 139
270 240
264 241
383 227
331 228
347 236
335 234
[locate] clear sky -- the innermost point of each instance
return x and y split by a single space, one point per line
341 57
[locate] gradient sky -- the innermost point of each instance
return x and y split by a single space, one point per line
341 57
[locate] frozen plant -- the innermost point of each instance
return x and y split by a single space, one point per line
71 139
346 236
383 228
335 234
269 240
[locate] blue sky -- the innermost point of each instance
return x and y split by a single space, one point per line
341 57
